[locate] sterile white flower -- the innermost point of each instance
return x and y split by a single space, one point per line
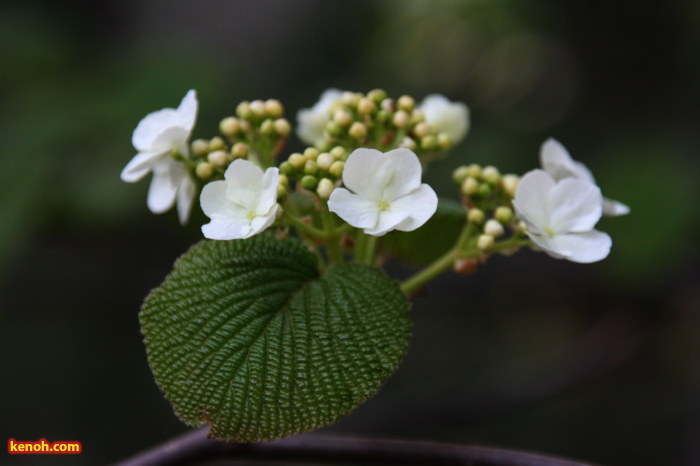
561 216
243 205
311 122
556 161
447 117
157 137
388 193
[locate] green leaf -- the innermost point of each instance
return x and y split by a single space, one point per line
429 242
246 336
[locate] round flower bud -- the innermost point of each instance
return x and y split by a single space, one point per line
282 127
388 105
469 186
494 228
408 143
522 226
333 128
377 95
218 158
484 190
336 168
337 152
474 170
267 127
365 106
325 161
491 175
342 118
283 180
460 174
297 161
243 110
309 182
401 119
273 108
200 147
323 145
465 266
510 184
428 142
485 242
503 214
444 142
257 107
406 103
310 167
422 129
311 153
382 116
239 150
279 214
204 170
475 215
417 116
230 126
281 191
286 169
216 143
325 188
358 131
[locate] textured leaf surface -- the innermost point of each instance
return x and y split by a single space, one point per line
427 243
246 336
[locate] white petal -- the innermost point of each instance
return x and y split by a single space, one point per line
268 194
140 165
556 161
213 199
448 117
171 139
574 206
382 176
311 122
356 210
587 247
422 204
405 175
163 189
244 181
388 220
224 229
613 208
187 110
185 196
261 222
152 126
531 200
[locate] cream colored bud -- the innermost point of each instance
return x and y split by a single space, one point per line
406 103
377 95
474 170
258 108
325 188
358 131
282 127
428 142
283 180
218 158
522 226
408 143
216 143
243 110
230 126
342 118
510 184
279 214
333 128
337 168
310 167
503 214
337 152
311 153
494 228
475 215
491 175
401 119
485 242
417 116
444 141
422 129
351 99
239 150
324 161
469 186
281 191
200 147
296 160
273 108
267 127
460 174
388 105
366 106
204 170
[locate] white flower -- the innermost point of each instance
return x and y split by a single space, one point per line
388 192
311 122
157 137
243 205
560 216
447 117
556 161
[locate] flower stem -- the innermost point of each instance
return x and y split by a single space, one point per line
303 227
335 254
370 250
443 263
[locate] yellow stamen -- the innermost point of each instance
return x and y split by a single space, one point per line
383 205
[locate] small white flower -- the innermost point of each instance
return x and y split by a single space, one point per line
243 205
157 137
388 192
451 118
560 216
311 122
556 161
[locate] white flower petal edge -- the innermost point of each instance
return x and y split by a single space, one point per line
157 137
243 205
556 161
448 117
560 216
311 122
388 193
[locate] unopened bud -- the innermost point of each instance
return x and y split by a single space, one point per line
258 108
216 143
333 128
444 141
388 105
494 228
460 174
366 106
469 186
281 191
204 170
324 161
230 126
422 129
243 110
358 131
503 214
417 116
310 167
337 152
200 147
474 170
273 108
286 168
465 266
218 158
311 153
510 184
296 160
401 119
342 118
408 143
336 168
491 175
239 150
282 127
485 242
428 142
325 188
377 95
309 182
283 180
406 103
475 215
279 213
267 127
484 190
522 226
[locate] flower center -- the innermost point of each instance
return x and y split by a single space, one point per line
383 205
549 232
251 215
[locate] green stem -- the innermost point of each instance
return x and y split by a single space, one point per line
370 250
360 246
303 227
430 272
335 253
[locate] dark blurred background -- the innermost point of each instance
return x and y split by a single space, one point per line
598 362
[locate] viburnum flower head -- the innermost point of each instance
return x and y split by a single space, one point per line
387 193
451 118
157 137
242 205
311 122
561 215
556 161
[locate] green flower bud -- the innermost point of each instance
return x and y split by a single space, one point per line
491 175
406 103
474 170
310 167
337 152
460 174
444 141
230 126
510 184
336 168
297 161
401 119
325 188
282 127
273 108
216 143
325 161
281 191
469 186
204 170
484 190
311 153
475 215
309 182
493 228
428 142
267 127
239 150
333 128
503 214
218 158
279 214
417 116
283 179
200 147
286 169
243 110
485 242
377 95
358 131
351 99
383 116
